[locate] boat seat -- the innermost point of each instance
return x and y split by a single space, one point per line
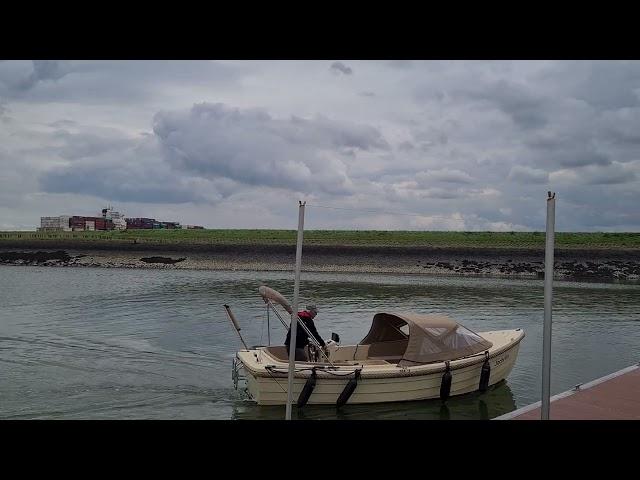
391 352
386 358
279 351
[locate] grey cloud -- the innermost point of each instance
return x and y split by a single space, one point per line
105 163
339 67
108 82
442 193
81 145
110 182
406 146
596 88
525 108
16 78
579 157
4 110
613 174
567 150
621 126
443 175
251 147
526 175
63 123
45 70
599 207
431 136
401 64
612 178
504 123
606 85
367 94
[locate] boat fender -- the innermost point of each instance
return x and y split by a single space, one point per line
445 384
307 390
348 390
485 373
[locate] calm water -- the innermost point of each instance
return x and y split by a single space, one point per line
119 344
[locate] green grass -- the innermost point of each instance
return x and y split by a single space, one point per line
336 237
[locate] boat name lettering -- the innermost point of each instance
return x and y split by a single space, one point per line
502 360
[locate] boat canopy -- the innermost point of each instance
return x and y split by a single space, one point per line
428 338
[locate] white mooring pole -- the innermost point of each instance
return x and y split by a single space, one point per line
548 301
294 313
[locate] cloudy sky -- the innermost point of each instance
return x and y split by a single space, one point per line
438 145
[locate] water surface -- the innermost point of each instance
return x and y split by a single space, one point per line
97 343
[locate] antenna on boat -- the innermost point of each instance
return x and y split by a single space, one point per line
548 298
294 312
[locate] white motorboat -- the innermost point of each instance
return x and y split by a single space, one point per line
403 357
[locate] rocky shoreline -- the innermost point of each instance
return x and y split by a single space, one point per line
589 265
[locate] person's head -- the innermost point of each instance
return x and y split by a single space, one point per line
313 310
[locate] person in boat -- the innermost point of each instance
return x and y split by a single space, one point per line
302 340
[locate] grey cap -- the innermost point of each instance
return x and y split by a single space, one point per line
312 308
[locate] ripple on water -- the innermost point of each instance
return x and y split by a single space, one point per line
119 343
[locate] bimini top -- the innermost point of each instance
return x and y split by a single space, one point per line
428 338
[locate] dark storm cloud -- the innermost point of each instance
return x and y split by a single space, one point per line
339 67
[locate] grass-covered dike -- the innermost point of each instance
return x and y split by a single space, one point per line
373 238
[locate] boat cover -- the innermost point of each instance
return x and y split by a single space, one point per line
431 338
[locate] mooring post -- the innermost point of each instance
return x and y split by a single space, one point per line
548 302
294 313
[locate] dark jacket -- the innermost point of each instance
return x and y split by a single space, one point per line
302 339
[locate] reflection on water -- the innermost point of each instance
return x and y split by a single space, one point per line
111 343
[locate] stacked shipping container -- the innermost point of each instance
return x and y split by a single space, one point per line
85 223
110 220
149 223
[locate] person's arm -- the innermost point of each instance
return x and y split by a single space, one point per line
314 332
